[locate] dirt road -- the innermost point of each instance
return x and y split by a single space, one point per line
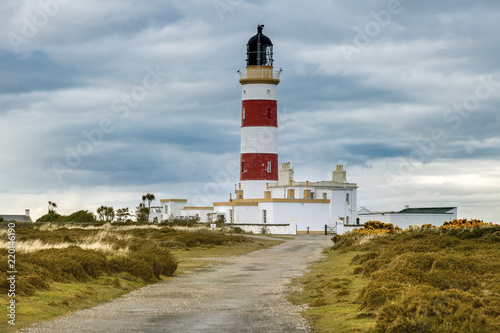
239 294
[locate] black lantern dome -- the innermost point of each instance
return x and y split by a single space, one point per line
259 49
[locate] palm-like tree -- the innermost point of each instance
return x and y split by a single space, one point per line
52 206
149 197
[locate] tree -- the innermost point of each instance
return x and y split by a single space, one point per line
149 198
122 214
52 207
142 214
106 213
101 211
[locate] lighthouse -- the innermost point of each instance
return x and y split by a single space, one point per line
268 198
259 117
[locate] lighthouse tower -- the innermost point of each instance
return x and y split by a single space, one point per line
259 118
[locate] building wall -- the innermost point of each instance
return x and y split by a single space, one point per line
245 214
172 208
405 220
201 212
304 215
276 229
253 189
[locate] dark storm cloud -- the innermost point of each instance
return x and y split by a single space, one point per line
374 110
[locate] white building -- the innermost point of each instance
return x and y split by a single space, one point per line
270 200
290 207
410 216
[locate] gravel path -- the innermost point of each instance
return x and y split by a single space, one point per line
241 294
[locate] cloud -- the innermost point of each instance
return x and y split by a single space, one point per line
77 84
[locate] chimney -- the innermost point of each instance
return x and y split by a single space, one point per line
239 192
27 212
307 191
290 192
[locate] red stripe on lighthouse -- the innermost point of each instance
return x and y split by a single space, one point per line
259 167
259 112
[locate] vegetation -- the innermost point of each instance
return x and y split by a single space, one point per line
81 216
106 214
123 215
422 279
64 267
52 207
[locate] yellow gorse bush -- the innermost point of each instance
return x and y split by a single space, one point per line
464 223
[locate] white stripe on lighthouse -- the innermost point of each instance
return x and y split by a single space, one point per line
259 139
259 91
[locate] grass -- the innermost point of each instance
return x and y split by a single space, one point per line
330 291
423 279
63 298
66 268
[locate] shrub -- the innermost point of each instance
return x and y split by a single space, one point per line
161 260
82 216
50 217
464 223
317 302
135 267
424 309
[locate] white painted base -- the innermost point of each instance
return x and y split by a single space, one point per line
275 229
254 189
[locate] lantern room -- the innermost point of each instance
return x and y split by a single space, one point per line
259 49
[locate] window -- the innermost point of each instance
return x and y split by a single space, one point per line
347 197
269 167
230 216
264 216
243 114
357 220
268 113
347 220
324 196
242 167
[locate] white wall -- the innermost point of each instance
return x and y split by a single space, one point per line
172 208
312 215
202 213
246 214
339 207
253 189
269 228
405 220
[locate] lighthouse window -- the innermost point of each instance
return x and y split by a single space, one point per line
264 216
269 166
242 167
347 197
324 196
243 113
268 113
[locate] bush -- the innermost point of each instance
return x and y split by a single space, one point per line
135 267
81 216
424 309
50 217
317 302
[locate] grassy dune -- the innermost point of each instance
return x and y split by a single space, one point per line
66 268
424 279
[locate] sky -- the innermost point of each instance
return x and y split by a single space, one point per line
104 101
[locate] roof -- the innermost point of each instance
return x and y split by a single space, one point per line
173 200
430 210
17 218
259 37
425 210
